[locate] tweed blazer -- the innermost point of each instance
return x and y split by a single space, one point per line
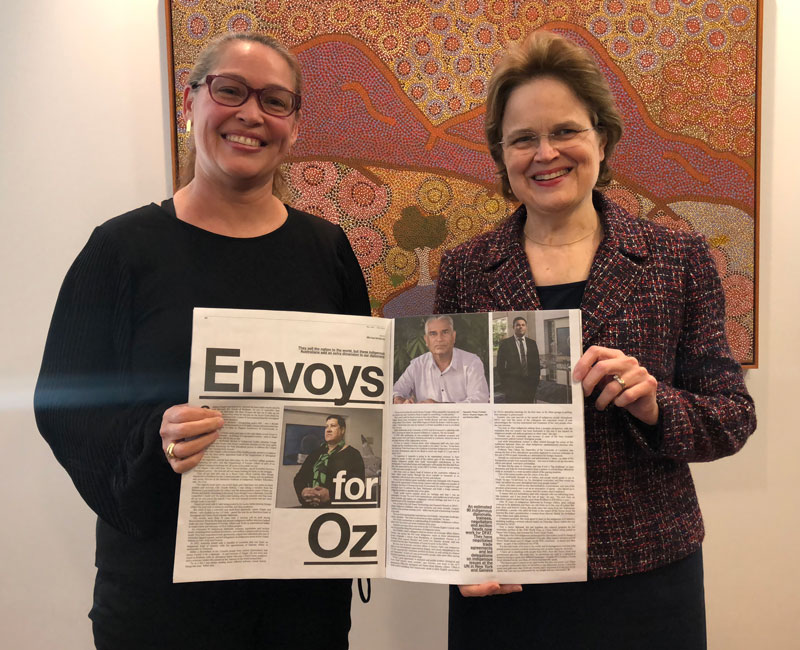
653 293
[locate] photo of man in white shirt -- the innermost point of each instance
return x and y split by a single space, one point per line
443 374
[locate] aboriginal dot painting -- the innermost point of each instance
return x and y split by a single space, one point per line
391 142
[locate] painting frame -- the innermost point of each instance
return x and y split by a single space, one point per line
408 234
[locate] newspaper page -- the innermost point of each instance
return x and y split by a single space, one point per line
288 385
459 458
487 475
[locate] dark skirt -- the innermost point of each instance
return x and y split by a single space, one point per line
663 609
132 613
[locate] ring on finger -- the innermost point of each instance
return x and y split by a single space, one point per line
170 453
620 381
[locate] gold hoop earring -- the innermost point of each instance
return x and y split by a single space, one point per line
188 126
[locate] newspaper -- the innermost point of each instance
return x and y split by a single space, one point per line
447 451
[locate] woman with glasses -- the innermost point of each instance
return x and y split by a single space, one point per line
661 386
113 385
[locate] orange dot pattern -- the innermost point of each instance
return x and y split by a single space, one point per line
690 65
443 52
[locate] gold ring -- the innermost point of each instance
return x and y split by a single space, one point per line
620 381
170 453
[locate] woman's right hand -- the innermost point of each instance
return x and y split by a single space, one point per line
190 430
487 589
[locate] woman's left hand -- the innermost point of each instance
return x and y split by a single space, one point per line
624 382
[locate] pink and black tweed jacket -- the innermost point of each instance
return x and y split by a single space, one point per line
655 294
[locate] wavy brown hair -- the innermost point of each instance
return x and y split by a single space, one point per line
207 61
545 54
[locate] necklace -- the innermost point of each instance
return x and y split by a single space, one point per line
569 243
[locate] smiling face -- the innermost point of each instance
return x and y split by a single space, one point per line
241 145
334 433
440 337
551 180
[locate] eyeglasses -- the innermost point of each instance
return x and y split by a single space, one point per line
525 142
273 100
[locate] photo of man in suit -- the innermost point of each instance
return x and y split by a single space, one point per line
518 365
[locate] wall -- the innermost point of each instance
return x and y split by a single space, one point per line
84 137
751 502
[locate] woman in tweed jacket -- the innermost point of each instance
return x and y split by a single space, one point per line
661 386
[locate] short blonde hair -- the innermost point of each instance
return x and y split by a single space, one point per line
545 54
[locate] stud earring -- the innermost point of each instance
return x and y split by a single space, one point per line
188 126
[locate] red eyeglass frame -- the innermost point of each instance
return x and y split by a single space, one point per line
250 91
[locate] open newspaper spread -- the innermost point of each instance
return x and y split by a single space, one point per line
432 449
